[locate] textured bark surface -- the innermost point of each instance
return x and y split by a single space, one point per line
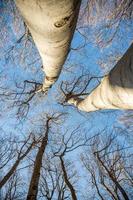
66 179
15 165
113 178
52 24
115 90
34 183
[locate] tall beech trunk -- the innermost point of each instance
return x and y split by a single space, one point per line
66 179
52 24
34 183
115 90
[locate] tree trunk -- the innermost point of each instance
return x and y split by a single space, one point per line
66 179
33 188
115 90
117 184
111 193
52 24
14 167
96 185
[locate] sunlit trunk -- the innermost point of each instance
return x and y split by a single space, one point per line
115 90
52 24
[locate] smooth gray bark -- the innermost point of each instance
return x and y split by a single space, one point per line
115 90
52 24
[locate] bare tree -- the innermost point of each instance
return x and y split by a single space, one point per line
52 184
7 152
13 190
110 159
34 183
68 142
18 153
